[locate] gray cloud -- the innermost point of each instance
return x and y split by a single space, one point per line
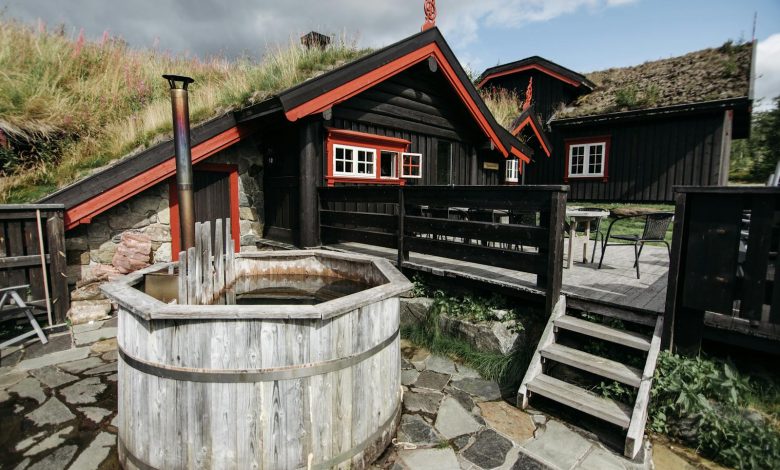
207 27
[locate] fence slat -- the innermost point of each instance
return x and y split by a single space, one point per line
757 257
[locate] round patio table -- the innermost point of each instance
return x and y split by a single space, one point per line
576 216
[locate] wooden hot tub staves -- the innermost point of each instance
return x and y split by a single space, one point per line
261 386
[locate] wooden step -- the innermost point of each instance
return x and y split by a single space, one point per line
594 364
597 330
575 397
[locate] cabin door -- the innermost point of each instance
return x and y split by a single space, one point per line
280 189
216 197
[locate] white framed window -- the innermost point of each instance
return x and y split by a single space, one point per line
388 164
411 165
587 160
512 170
357 162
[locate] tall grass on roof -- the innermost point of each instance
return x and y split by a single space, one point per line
69 105
504 104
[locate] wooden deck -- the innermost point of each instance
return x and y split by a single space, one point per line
615 284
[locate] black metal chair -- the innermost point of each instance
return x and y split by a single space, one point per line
480 215
656 225
518 217
595 228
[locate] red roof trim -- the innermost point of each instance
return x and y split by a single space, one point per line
538 67
87 210
520 155
367 137
354 87
530 121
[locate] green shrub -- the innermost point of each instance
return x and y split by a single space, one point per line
707 404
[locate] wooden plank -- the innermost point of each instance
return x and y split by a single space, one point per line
496 232
403 253
387 222
636 429
577 398
479 197
762 219
497 257
535 365
596 330
182 299
553 277
337 234
386 194
676 265
594 364
23 261
610 311
60 296
219 262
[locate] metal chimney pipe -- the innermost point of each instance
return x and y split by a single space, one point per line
181 143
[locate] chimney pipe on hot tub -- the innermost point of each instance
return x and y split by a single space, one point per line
181 143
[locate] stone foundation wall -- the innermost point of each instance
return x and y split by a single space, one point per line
137 232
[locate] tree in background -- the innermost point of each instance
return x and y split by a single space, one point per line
754 159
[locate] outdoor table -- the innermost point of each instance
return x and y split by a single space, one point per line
576 216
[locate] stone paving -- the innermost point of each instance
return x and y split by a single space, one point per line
453 419
58 406
57 412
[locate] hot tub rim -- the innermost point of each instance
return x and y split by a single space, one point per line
123 292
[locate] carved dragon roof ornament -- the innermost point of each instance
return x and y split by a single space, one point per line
529 92
430 14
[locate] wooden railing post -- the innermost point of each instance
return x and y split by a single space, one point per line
674 279
403 254
554 272
55 233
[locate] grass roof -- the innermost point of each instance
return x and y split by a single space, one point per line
69 106
705 75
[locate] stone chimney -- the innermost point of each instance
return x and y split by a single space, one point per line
314 39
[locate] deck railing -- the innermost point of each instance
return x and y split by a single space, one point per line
24 230
519 228
723 264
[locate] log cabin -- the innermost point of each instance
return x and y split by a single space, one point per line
406 114
630 134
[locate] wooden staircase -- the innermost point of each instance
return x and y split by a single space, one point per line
632 419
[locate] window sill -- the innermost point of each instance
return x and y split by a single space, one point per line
332 180
586 178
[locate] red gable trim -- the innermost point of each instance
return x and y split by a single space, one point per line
538 67
530 121
520 155
352 88
84 212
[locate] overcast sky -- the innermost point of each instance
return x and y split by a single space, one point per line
583 35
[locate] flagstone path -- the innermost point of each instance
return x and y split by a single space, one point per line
58 411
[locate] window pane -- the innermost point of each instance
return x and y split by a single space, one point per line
443 163
596 154
388 162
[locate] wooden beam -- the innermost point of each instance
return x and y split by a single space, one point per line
308 224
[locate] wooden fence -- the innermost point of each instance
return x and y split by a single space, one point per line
723 264
519 228
26 231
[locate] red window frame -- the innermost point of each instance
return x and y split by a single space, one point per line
173 204
411 165
378 143
606 139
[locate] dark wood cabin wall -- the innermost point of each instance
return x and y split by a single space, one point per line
646 159
421 106
548 92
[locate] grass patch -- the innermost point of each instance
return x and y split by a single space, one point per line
504 104
69 105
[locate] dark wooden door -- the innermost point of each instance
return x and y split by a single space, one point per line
280 187
212 196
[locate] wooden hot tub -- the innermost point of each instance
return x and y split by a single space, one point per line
261 386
